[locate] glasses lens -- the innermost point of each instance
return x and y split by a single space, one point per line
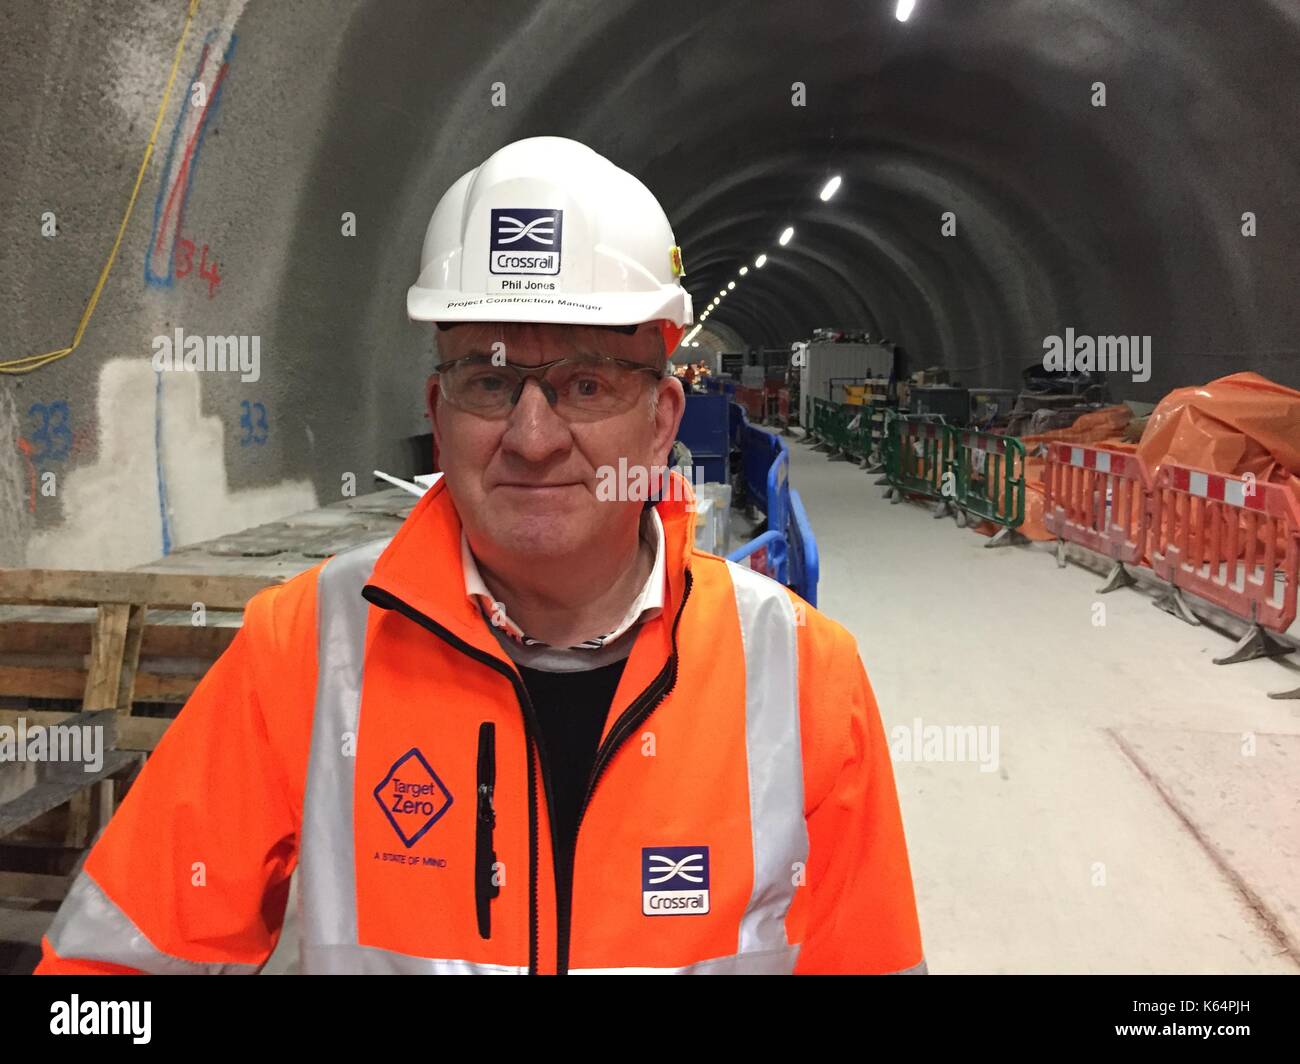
591 388
478 386
585 389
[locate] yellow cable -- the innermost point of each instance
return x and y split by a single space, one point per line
28 363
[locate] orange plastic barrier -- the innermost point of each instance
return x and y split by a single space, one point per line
1233 541
752 400
1097 498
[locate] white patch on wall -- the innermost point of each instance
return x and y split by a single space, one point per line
111 511
139 53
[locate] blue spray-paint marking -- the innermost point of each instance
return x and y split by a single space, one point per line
53 428
255 431
169 278
158 465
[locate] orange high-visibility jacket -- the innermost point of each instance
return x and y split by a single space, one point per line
366 728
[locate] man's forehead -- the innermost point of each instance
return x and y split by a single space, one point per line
527 342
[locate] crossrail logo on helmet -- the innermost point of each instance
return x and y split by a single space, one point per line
525 241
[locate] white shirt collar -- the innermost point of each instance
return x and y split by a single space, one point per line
648 603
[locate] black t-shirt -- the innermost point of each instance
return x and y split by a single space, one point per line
571 709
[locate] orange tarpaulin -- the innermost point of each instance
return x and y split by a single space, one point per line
1243 423
1237 425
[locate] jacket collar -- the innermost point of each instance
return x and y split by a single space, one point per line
421 566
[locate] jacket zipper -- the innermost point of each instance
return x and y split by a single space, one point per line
632 718
637 712
388 601
486 887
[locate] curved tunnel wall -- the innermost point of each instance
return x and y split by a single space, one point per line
1123 219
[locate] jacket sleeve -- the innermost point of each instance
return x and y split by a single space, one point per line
191 875
861 912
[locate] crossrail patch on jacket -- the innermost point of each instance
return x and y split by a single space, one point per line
674 880
412 797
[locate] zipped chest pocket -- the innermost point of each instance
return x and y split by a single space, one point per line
486 879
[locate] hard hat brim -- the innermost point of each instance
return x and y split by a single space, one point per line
672 303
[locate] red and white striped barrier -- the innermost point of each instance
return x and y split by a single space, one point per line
1232 541
1098 499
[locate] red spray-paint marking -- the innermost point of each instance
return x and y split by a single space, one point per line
26 448
183 173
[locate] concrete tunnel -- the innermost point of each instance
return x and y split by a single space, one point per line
1009 169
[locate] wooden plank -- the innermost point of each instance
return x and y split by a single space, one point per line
34 885
23 680
74 587
76 829
107 648
104 801
130 656
56 791
133 733
33 637
18 681
159 640
24 926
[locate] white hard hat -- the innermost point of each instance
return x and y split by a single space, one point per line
546 230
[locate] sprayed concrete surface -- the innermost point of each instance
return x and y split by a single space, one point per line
1065 857
287 201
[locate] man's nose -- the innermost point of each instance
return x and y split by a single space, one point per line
534 431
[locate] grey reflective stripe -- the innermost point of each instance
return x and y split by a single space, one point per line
916 969
91 927
774 962
327 893
363 960
775 758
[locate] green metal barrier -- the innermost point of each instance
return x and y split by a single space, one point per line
820 415
921 461
829 424
866 430
857 443
857 432
841 438
990 479
979 474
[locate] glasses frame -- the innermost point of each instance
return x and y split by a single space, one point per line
539 374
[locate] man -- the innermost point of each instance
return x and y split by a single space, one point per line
536 732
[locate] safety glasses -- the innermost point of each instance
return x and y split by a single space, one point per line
582 388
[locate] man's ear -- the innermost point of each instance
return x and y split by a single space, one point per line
668 415
431 408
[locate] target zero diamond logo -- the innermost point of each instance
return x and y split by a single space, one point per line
412 797
675 881
526 240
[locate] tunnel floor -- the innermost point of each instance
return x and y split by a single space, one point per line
1122 829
